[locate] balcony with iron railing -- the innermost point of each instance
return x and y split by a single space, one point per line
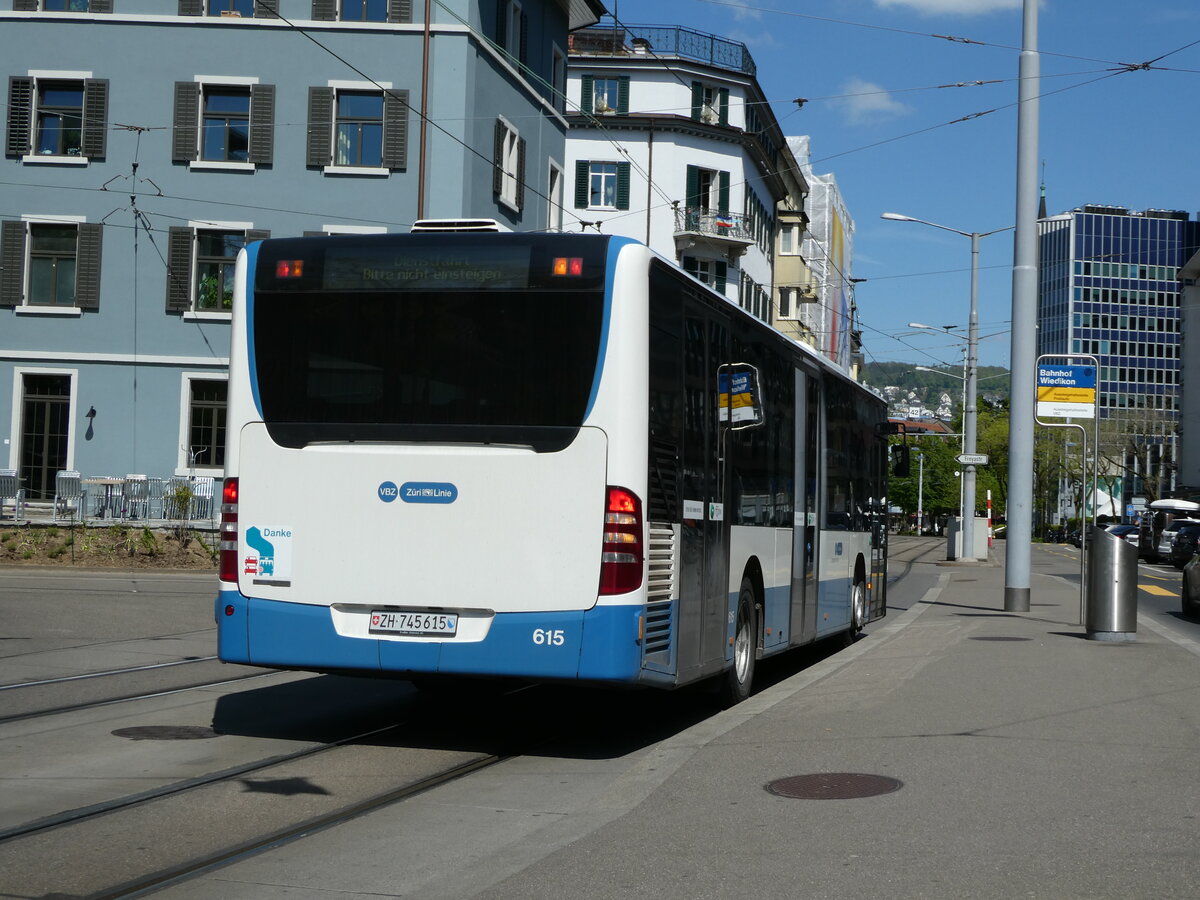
730 231
611 39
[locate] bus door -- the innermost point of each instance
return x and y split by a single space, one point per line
704 563
805 533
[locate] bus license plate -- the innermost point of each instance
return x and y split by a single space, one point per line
414 624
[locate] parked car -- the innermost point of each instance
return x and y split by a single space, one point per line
1190 589
1167 539
1127 533
1183 548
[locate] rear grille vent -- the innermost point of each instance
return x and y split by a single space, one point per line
661 586
663 502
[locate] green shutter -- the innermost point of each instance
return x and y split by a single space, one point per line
697 99
723 193
582 187
623 95
585 94
692 199
723 106
623 185
87 266
721 271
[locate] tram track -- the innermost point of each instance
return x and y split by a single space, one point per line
140 842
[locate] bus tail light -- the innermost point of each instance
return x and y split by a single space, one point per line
621 558
229 530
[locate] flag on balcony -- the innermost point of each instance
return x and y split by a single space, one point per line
724 221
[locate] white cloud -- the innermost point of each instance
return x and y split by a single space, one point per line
742 12
868 102
953 7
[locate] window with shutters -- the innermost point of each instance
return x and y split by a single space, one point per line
600 184
710 104
95 6
49 265
713 272
57 117
354 130
224 123
509 166
362 10
200 266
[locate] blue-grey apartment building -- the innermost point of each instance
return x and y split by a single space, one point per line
146 141
1109 287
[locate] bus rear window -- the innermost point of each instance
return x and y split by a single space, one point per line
392 365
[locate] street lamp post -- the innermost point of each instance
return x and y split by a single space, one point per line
968 525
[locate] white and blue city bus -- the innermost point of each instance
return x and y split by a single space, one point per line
543 456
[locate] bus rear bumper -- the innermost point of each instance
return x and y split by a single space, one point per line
599 644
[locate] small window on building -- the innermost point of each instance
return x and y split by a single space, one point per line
49 266
554 196
200 266
508 179
206 423
604 95
358 129
226 129
364 10
601 185
56 119
242 8
710 104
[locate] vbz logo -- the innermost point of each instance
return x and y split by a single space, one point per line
388 491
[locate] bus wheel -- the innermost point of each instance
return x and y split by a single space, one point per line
858 606
735 685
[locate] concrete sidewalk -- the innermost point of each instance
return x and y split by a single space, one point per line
1027 762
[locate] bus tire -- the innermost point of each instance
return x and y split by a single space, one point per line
737 680
858 606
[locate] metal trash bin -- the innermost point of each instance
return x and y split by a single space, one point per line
1112 588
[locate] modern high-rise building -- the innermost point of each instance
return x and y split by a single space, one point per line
1108 287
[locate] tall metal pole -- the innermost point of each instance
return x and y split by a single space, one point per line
1024 327
970 408
920 494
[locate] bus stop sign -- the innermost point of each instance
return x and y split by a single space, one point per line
1066 391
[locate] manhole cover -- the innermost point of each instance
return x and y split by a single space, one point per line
999 638
833 786
166 733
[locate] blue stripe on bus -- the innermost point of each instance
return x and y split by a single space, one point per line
251 269
615 245
596 644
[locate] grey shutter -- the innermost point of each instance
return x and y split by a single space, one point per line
191 7
498 157
623 95
585 94
95 117
723 106
400 11
185 139
20 114
266 9
179 268
520 173
697 99
25 5
87 266
12 263
320 126
100 6
262 124
395 129
623 185
582 187
324 10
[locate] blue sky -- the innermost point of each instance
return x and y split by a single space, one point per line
871 71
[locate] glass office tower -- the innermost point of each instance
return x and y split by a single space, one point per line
1108 286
